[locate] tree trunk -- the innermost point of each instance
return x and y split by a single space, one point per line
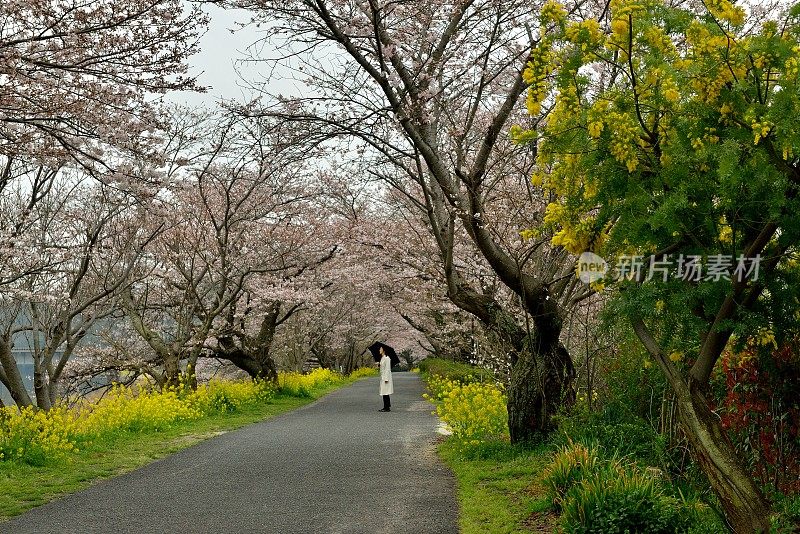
190 377
542 372
41 387
263 344
12 377
53 390
254 355
172 371
267 369
746 509
541 385
258 364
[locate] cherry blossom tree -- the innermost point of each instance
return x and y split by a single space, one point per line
79 81
425 92
86 242
79 77
241 234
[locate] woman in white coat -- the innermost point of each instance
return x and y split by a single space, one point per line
387 387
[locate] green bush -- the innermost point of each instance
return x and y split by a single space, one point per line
457 371
790 508
597 494
570 466
787 517
622 502
616 433
222 402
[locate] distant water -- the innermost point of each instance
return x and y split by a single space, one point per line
26 369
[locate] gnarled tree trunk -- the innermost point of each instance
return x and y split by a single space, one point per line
172 370
258 363
541 385
746 509
542 373
254 354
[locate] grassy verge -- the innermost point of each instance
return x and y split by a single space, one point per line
498 490
23 487
606 469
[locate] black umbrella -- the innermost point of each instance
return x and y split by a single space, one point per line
375 349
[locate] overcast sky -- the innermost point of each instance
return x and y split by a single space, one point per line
215 63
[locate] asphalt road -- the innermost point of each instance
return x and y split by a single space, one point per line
337 465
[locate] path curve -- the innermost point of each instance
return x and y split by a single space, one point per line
334 466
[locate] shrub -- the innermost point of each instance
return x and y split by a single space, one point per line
570 466
787 518
472 411
439 386
756 392
622 502
364 371
300 385
459 372
790 508
618 434
220 396
35 437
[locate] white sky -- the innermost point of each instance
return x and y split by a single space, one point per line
220 57
219 50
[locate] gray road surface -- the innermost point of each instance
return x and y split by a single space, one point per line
337 465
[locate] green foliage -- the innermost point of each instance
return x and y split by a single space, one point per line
571 465
790 509
597 493
495 450
616 433
688 144
787 518
676 131
631 386
622 502
457 371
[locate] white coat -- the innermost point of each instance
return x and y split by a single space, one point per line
386 376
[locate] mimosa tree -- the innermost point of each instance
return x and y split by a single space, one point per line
671 143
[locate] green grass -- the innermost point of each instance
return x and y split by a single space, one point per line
498 490
23 487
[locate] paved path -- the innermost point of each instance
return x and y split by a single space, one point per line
337 465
